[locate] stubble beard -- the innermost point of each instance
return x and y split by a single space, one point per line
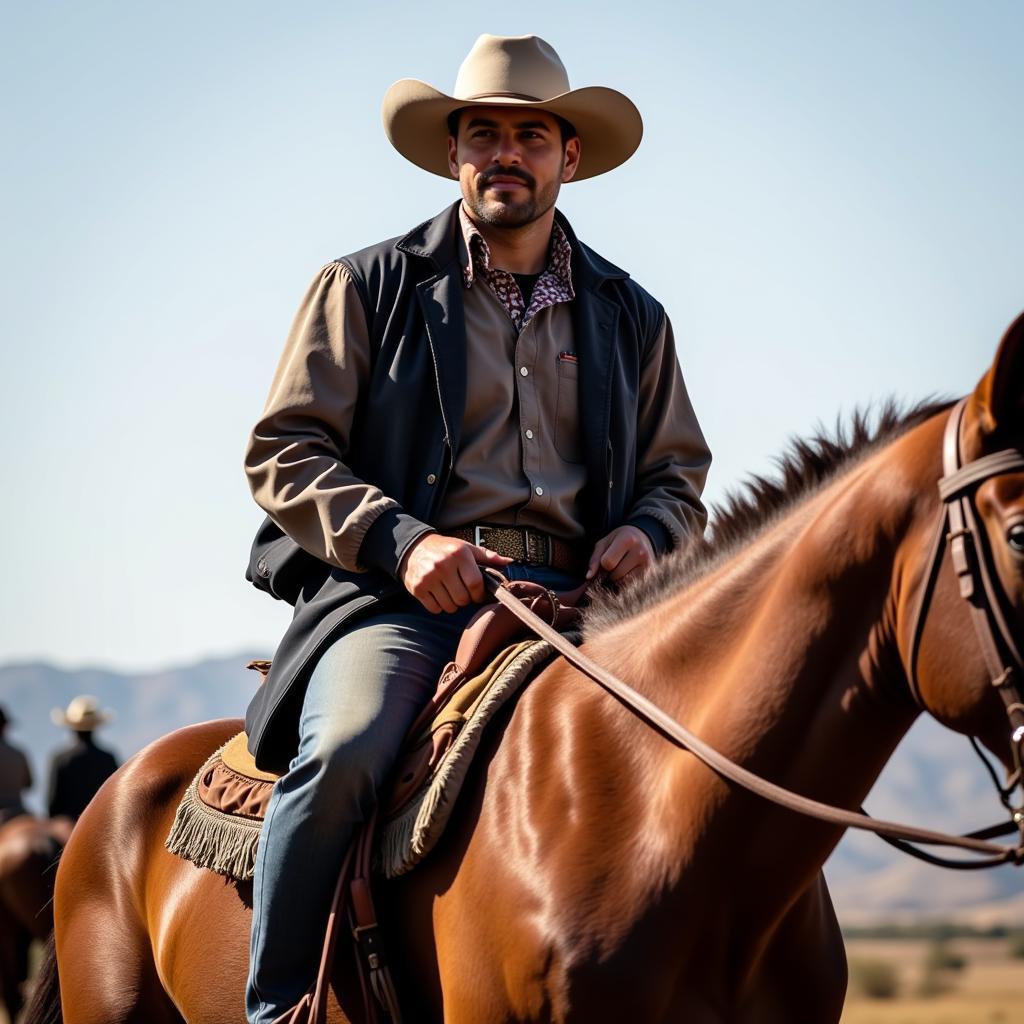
508 213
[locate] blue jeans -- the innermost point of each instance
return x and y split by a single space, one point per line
365 691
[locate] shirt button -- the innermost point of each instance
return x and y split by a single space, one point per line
431 479
523 371
529 435
539 490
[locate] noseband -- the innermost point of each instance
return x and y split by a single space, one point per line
972 562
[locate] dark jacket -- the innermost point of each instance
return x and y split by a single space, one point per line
407 432
15 778
76 773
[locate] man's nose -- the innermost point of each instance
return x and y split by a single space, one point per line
507 150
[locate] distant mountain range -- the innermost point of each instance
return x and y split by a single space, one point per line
146 706
934 780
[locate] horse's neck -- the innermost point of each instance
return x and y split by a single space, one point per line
784 656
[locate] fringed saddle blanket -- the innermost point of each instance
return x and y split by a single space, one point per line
217 825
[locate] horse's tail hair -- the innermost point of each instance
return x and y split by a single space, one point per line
44 1006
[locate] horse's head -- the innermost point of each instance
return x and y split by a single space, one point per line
995 422
965 633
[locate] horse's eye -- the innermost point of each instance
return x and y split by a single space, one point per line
1015 537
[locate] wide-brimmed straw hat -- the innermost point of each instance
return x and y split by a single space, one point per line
512 71
83 714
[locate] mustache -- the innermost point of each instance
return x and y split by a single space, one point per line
488 177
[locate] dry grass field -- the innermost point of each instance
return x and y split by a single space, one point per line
989 989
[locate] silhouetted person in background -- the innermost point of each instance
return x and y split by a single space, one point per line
78 771
15 775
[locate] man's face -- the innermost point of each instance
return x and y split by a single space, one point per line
510 163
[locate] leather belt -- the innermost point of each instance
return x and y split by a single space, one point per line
523 544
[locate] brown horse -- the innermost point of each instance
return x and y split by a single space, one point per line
29 849
595 872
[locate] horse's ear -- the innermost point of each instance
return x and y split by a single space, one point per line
999 396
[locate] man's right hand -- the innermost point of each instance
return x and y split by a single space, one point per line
443 574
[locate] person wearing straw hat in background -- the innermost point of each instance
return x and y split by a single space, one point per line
485 390
79 769
15 774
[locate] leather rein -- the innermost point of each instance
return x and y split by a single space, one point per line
957 526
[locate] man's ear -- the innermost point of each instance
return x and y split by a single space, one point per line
453 159
571 161
998 400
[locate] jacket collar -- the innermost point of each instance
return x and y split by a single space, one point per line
590 270
435 240
438 241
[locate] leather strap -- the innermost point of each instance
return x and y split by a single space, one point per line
374 973
679 734
957 481
312 1007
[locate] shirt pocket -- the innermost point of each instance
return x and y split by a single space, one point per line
567 410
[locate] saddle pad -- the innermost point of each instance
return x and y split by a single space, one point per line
236 757
218 821
405 838
221 834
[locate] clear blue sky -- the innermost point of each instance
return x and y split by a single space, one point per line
828 200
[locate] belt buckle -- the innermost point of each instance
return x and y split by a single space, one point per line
538 547
480 536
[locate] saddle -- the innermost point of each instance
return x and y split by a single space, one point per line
493 630
219 820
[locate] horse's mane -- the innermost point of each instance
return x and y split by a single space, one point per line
803 468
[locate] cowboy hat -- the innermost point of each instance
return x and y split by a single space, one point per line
83 714
512 71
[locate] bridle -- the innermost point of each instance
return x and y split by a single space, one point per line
978 583
958 525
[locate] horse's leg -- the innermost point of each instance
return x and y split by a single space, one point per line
802 975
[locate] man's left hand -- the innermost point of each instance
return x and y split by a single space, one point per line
626 549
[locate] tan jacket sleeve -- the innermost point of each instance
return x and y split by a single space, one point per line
672 456
295 459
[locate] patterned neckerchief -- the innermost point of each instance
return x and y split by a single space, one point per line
554 284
